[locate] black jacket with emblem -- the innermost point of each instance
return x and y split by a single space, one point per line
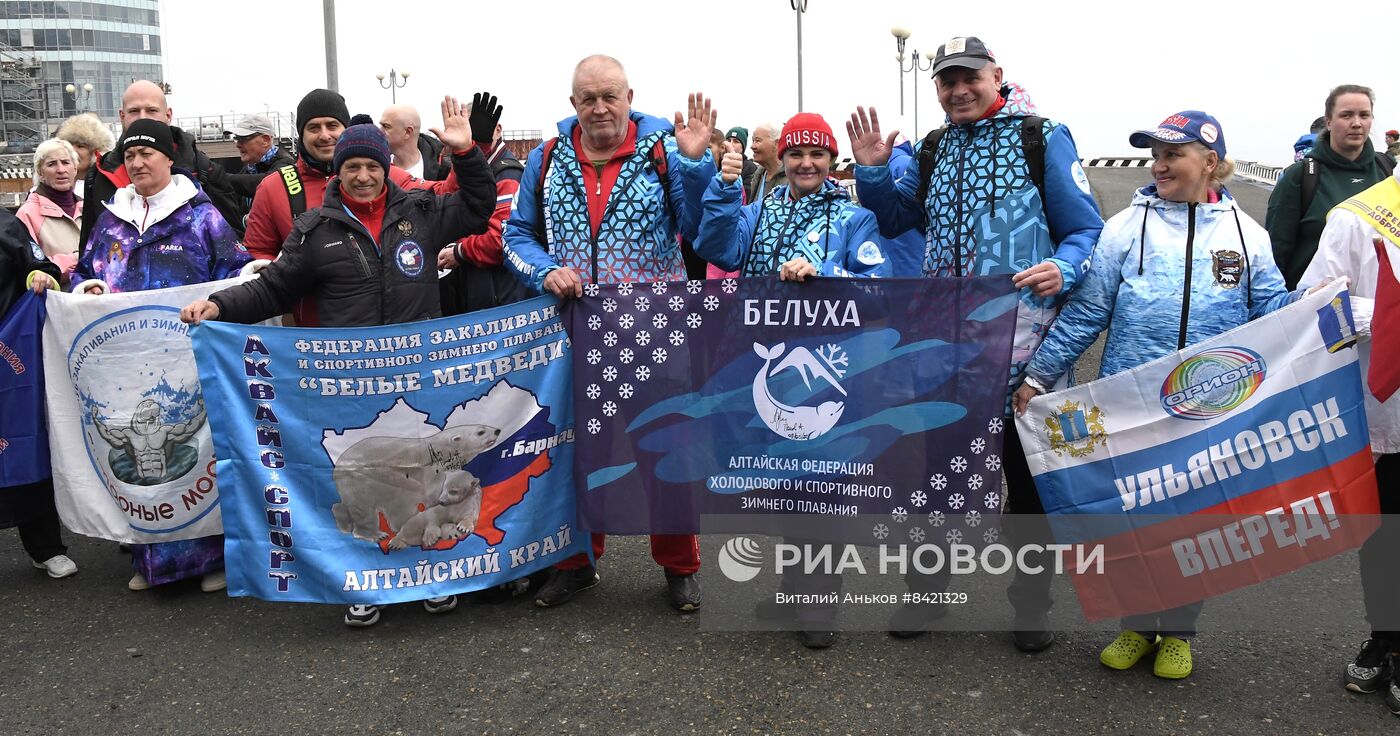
331 257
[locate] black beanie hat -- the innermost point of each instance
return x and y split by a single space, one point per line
150 133
321 103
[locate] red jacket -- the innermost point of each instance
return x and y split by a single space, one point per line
484 250
270 220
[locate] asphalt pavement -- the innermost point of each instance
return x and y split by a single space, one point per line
86 656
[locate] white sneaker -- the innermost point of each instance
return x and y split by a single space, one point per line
213 582
138 582
58 566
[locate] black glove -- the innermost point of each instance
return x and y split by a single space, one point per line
485 115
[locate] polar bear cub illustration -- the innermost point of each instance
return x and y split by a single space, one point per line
453 516
395 475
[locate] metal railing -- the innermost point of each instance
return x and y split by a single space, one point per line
212 127
1257 172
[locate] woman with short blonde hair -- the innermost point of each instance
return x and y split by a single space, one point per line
53 214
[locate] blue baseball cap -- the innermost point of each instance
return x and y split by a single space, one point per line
1184 127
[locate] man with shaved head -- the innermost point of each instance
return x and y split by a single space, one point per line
146 100
765 154
417 154
604 203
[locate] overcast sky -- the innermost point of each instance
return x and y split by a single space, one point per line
1103 68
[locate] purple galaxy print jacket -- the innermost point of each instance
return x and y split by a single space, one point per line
191 245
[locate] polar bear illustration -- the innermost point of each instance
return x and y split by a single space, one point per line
394 475
453 516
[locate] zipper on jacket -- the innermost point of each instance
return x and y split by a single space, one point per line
612 205
360 254
1186 289
962 159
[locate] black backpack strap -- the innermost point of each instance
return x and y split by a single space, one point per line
663 173
928 158
1033 148
1307 188
548 156
1383 161
296 193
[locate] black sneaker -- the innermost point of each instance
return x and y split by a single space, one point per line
684 591
564 584
1369 670
1032 633
912 619
1392 693
361 616
817 639
440 605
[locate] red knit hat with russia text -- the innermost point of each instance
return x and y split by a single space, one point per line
807 129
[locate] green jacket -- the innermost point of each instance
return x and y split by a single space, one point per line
1294 234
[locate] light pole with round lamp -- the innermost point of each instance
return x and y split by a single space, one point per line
79 101
900 36
396 80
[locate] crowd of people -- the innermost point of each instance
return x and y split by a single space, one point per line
622 196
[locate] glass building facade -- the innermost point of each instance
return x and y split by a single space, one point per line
104 44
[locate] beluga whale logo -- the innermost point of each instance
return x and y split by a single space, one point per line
800 421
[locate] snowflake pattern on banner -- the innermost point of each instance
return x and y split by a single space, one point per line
648 325
955 498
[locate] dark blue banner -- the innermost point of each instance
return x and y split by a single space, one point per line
835 398
24 439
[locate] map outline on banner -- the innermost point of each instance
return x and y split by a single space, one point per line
393 500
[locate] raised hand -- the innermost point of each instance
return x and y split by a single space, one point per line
456 132
731 166
693 131
867 146
485 115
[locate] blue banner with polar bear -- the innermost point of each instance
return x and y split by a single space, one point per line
878 401
394 463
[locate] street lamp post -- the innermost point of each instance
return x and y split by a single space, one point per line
916 65
80 101
396 79
900 36
801 7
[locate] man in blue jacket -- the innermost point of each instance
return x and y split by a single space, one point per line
604 202
1003 193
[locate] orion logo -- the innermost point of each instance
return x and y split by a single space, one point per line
1213 383
740 559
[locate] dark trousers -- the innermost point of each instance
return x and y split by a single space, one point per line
1380 556
823 586
42 536
32 506
1024 522
1179 622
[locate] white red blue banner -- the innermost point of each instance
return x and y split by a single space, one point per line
1234 461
